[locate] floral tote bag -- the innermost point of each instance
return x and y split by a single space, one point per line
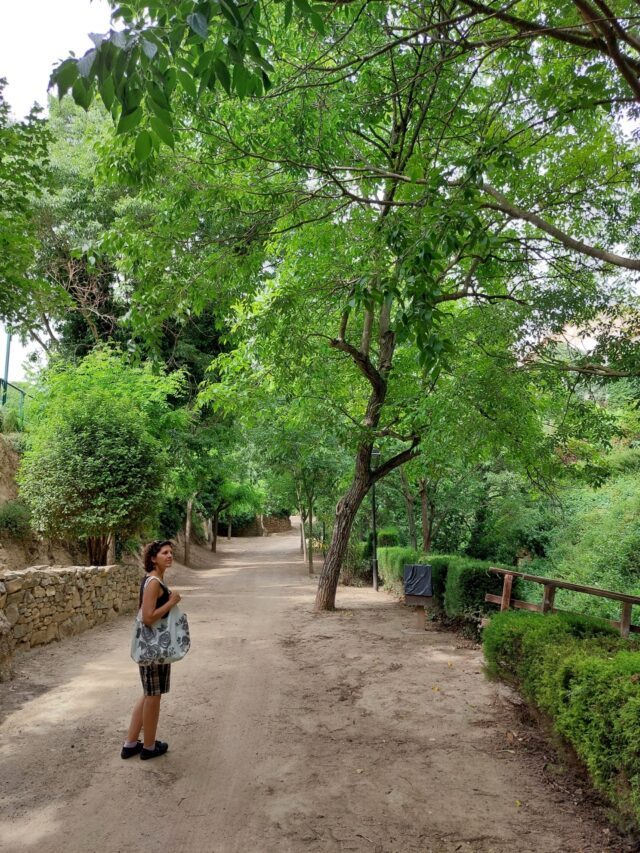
166 641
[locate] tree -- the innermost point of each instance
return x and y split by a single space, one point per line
23 175
97 459
432 181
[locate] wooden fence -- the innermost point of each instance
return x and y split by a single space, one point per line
550 585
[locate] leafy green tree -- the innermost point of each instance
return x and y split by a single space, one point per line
404 188
23 176
96 459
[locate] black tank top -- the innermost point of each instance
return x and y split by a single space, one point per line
162 598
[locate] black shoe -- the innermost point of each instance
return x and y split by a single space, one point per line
130 751
159 749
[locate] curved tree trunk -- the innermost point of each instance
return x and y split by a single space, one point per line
345 515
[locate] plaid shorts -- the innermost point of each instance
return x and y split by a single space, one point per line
156 679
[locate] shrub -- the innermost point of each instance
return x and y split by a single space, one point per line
171 518
391 563
587 678
354 566
388 537
15 521
468 581
9 421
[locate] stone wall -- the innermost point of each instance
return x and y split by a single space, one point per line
270 523
276 523
46 603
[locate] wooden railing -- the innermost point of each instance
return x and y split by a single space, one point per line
550 586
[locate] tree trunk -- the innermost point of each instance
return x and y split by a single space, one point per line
303 537
214 538
427 520
97 549
209 532
111 550
363 477
409 500
187 532
310 549
229 532
345 515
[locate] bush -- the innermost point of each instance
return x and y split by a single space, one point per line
468 581
391 563
171 518
15 521
9 421
586 677
355 568
388 537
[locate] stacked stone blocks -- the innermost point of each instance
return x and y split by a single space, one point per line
45 603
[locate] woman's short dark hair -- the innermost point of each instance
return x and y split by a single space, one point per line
152 550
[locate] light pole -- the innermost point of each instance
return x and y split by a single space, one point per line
5 384
374 555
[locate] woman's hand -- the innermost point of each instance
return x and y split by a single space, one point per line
174 598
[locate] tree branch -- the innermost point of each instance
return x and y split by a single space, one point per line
515 212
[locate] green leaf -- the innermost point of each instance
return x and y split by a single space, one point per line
317 23
144 146
107 91
86 63
188 83
64 76
163 132
81 93
129 120
222 73
198 24
241 80
164 115
231 13
288 12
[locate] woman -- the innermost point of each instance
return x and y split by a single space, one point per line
156 601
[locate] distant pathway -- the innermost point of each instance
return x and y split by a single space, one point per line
290 731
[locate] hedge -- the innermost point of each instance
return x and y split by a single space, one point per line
586 678
459 583
388 537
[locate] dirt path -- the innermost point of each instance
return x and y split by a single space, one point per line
289 731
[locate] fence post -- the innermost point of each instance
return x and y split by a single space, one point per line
625 619
548 596
506 592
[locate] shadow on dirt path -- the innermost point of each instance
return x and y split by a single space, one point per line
289 730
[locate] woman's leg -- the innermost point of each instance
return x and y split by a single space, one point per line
150 716
136 721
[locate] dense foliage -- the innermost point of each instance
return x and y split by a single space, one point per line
587 679
97 450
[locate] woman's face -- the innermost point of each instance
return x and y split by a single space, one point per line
163 558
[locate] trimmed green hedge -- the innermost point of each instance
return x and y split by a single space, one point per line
580 672
459 583
388 537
